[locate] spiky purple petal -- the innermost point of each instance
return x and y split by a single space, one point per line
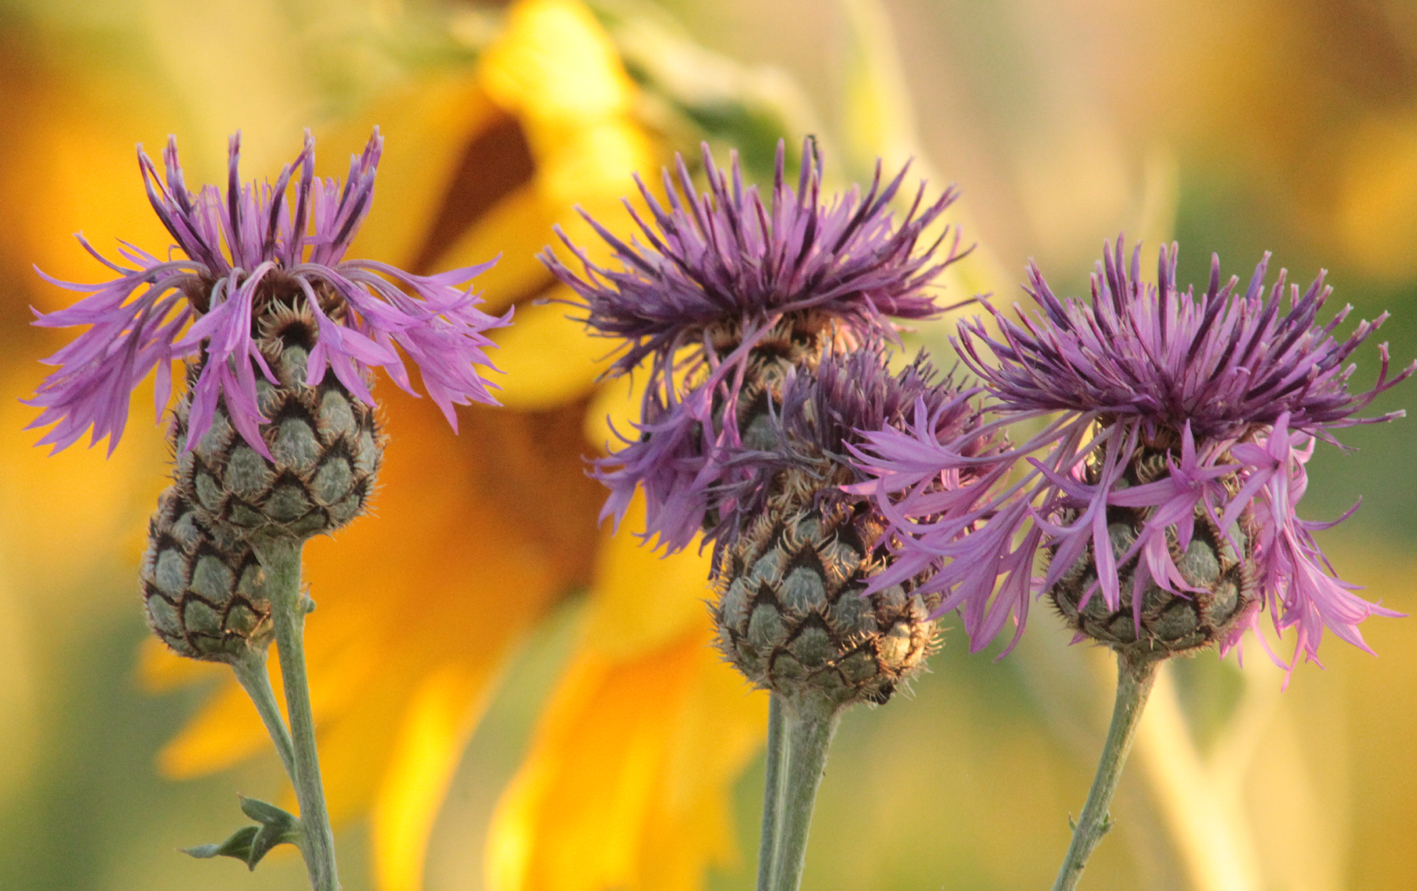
1235 389
728 259
254 244
713 277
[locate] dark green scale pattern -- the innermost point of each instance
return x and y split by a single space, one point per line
1169 623
202 590
791 618
327 448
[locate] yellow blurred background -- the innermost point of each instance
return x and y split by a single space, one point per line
509 698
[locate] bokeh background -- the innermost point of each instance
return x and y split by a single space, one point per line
511 699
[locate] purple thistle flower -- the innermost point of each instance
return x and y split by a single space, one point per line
1197 412
725 290
719 270
245 251
669 460
800 541
825 418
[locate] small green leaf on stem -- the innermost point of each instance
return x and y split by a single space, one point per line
267 814
250 844
238 846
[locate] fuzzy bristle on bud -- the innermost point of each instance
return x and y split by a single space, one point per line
325 442
202 589
791 617
1168 622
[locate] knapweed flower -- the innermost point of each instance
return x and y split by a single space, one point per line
1165 498
646 713
726 293
804 545
264 305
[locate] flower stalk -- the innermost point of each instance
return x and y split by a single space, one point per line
747 437
251 673
1135 677
275 438
281 559
772 792
810 724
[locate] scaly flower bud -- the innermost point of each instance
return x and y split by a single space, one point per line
249 253
793 565
266 438
202 588
791 617
1215 591
325 445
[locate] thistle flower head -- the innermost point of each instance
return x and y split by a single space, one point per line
256 250
729 291
1183 419
799 543
720 270
1226 363
202 586
828 415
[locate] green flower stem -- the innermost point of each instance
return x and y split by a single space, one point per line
1134 681
256 681
772 792
809 728
281 560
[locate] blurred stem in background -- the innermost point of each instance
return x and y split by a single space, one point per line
1199 798
1190 766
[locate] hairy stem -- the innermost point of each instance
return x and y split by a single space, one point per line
1134 680
281 560
772 793
809 727
256 681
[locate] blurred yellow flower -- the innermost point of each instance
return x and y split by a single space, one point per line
648 724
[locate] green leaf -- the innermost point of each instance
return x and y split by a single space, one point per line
267 814
238 846
277 827
250 844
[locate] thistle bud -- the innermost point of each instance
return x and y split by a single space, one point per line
1184 424
791 616
202 589
1219 581
325 445
810 600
